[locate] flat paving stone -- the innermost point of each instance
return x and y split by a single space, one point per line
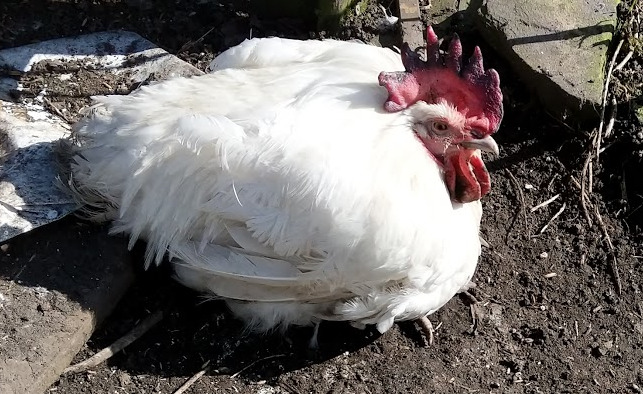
29 129
56 283
59 276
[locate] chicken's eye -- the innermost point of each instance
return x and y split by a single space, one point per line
439 128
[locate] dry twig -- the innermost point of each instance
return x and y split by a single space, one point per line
119 345
608 240
544 203
586 178
521 198
189 44
575 181
289 387
192 380
608 78
631 52
57 110
610 123
594 153
624 61
556 215
239 372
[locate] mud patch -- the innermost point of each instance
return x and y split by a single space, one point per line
68 85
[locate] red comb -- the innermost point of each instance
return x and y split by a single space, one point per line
472 90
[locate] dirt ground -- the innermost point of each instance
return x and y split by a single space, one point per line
551 316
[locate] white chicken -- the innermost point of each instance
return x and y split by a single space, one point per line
299 182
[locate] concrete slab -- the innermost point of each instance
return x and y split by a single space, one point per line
29 129
56 284
57 281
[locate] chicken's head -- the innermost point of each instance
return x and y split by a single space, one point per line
455 110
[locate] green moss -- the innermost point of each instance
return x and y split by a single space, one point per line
332 7
330 12
638 110
597 70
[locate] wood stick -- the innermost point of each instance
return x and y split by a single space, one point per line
521 198
585 179
614 262
56 110
604 100
118 345
234 375
624 61
190 381
544 203
610 122
188 44
556 215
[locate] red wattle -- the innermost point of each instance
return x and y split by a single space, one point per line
481 174
466 176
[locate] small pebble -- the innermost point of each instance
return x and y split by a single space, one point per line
544 255
52 214
517 378
124 379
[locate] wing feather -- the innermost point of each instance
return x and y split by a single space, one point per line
231 273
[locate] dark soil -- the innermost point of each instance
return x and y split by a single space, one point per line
551 318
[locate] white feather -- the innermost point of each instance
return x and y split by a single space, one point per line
278 182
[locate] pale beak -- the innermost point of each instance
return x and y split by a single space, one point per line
486 144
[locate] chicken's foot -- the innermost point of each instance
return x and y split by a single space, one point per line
314 343
427 328
473 303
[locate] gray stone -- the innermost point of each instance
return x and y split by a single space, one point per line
29 197
58 281
559 47
56 284
441 11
